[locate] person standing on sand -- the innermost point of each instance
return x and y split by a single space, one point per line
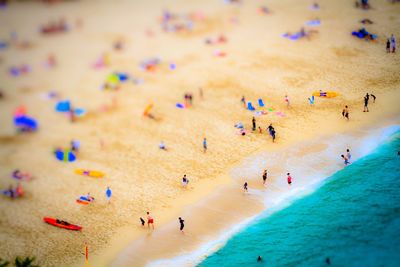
254 123
289 179
108 194
366 99
205 145
245 189
181 224
345 112
393 43
388 46
264 176
150 220
287 101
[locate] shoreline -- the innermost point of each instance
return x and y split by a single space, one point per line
160 254
119 141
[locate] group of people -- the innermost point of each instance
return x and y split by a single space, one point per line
346 157
150 222
391 44
264 178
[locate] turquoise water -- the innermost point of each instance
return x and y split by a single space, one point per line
354 219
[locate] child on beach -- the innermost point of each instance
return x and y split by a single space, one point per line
346 160
388 46
108 194
245 189
150 220
205 145
289 179
181 224
264 176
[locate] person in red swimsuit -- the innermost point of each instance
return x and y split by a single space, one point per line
289 179
150 220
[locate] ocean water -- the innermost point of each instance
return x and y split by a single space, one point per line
353 219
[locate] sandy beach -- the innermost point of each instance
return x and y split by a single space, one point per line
119 141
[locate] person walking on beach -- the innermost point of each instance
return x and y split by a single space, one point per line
254 123
345 112
348 155
108 194
264 176
181 224
346 160
393 43
289 179
388 46
150 220
259 130
366 99
245 189
205 145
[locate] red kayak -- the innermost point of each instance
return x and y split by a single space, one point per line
62 224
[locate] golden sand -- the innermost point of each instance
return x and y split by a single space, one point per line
259 63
